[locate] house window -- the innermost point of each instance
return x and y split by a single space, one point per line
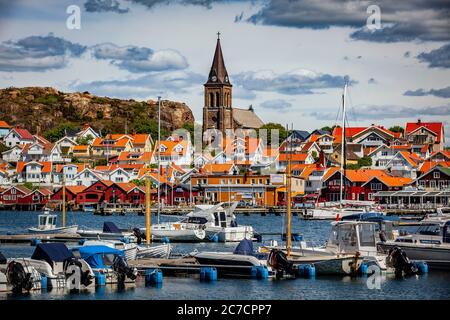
119 179
253 181
384 153
13 191
370 196
432 184
436 175
308 183
422 183
223 181
86 174
79 183
260 181
238 181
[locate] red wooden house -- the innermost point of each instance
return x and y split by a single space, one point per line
11 195
178 194
125 193
384 183
94 193
71 193
36 197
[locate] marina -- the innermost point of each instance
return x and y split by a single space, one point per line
182 271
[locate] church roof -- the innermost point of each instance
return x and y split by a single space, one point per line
247 119
218 67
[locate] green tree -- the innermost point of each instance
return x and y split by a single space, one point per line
365 162
190 128
3 148
282 132
85 140
397 129
328 129
100 162
56 133
28 185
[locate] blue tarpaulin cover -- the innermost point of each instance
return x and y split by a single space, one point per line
110 227
50 252
244 247
93 255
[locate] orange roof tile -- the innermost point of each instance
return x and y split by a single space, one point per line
294 157
4 124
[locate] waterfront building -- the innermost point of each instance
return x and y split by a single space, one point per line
425 134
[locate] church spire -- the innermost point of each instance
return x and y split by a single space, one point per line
218 72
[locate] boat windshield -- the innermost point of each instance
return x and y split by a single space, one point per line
367 235
429 230
42 220
344 238
195 220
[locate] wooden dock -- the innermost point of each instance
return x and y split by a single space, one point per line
28 237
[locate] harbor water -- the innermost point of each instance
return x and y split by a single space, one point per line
434 285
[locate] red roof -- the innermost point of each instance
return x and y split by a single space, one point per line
352 131
436 127
24 133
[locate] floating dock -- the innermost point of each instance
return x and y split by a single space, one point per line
29 237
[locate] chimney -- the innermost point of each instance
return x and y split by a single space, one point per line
418 121
250 108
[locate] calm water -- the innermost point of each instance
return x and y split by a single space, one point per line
435 285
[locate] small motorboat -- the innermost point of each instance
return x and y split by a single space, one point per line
431 243
110 231
236 263
130 249
154 251
57 263
107 261
17 276
47 225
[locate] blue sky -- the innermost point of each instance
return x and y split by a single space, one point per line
288 59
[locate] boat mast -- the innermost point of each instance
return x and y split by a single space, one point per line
288 200
342 147
159 152
63 206
147 209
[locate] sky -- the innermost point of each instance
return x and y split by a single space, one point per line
289 59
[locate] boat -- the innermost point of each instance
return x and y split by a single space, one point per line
441 214
186 230
107 261
110 231
130 249
47 225
205 223
89 208
431 243
18 276
236 263
154 251
349 245
57 263
333 211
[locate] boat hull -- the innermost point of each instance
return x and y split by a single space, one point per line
61 230
182 235
436 256
98 234
230 234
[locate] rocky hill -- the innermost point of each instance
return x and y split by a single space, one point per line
49 111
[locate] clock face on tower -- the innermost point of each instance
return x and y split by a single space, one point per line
214 78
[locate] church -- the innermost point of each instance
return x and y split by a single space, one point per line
218 110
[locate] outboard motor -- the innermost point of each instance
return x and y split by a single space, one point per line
18 278
399 261
123 270
278 261
86 277
139 235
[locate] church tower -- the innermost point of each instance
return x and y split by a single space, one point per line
217 110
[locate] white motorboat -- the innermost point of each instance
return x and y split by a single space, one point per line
17 275
47 225
57 263
442 214
350 244
206 222
431 243
185 230
154 251
109 232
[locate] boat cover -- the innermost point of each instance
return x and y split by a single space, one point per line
244 247
110 227
93 255
51 252
2 259
369 216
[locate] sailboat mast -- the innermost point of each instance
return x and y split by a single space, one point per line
147 210
342 146
288 201
63 208
159 153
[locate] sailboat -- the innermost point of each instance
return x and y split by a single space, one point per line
345 207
